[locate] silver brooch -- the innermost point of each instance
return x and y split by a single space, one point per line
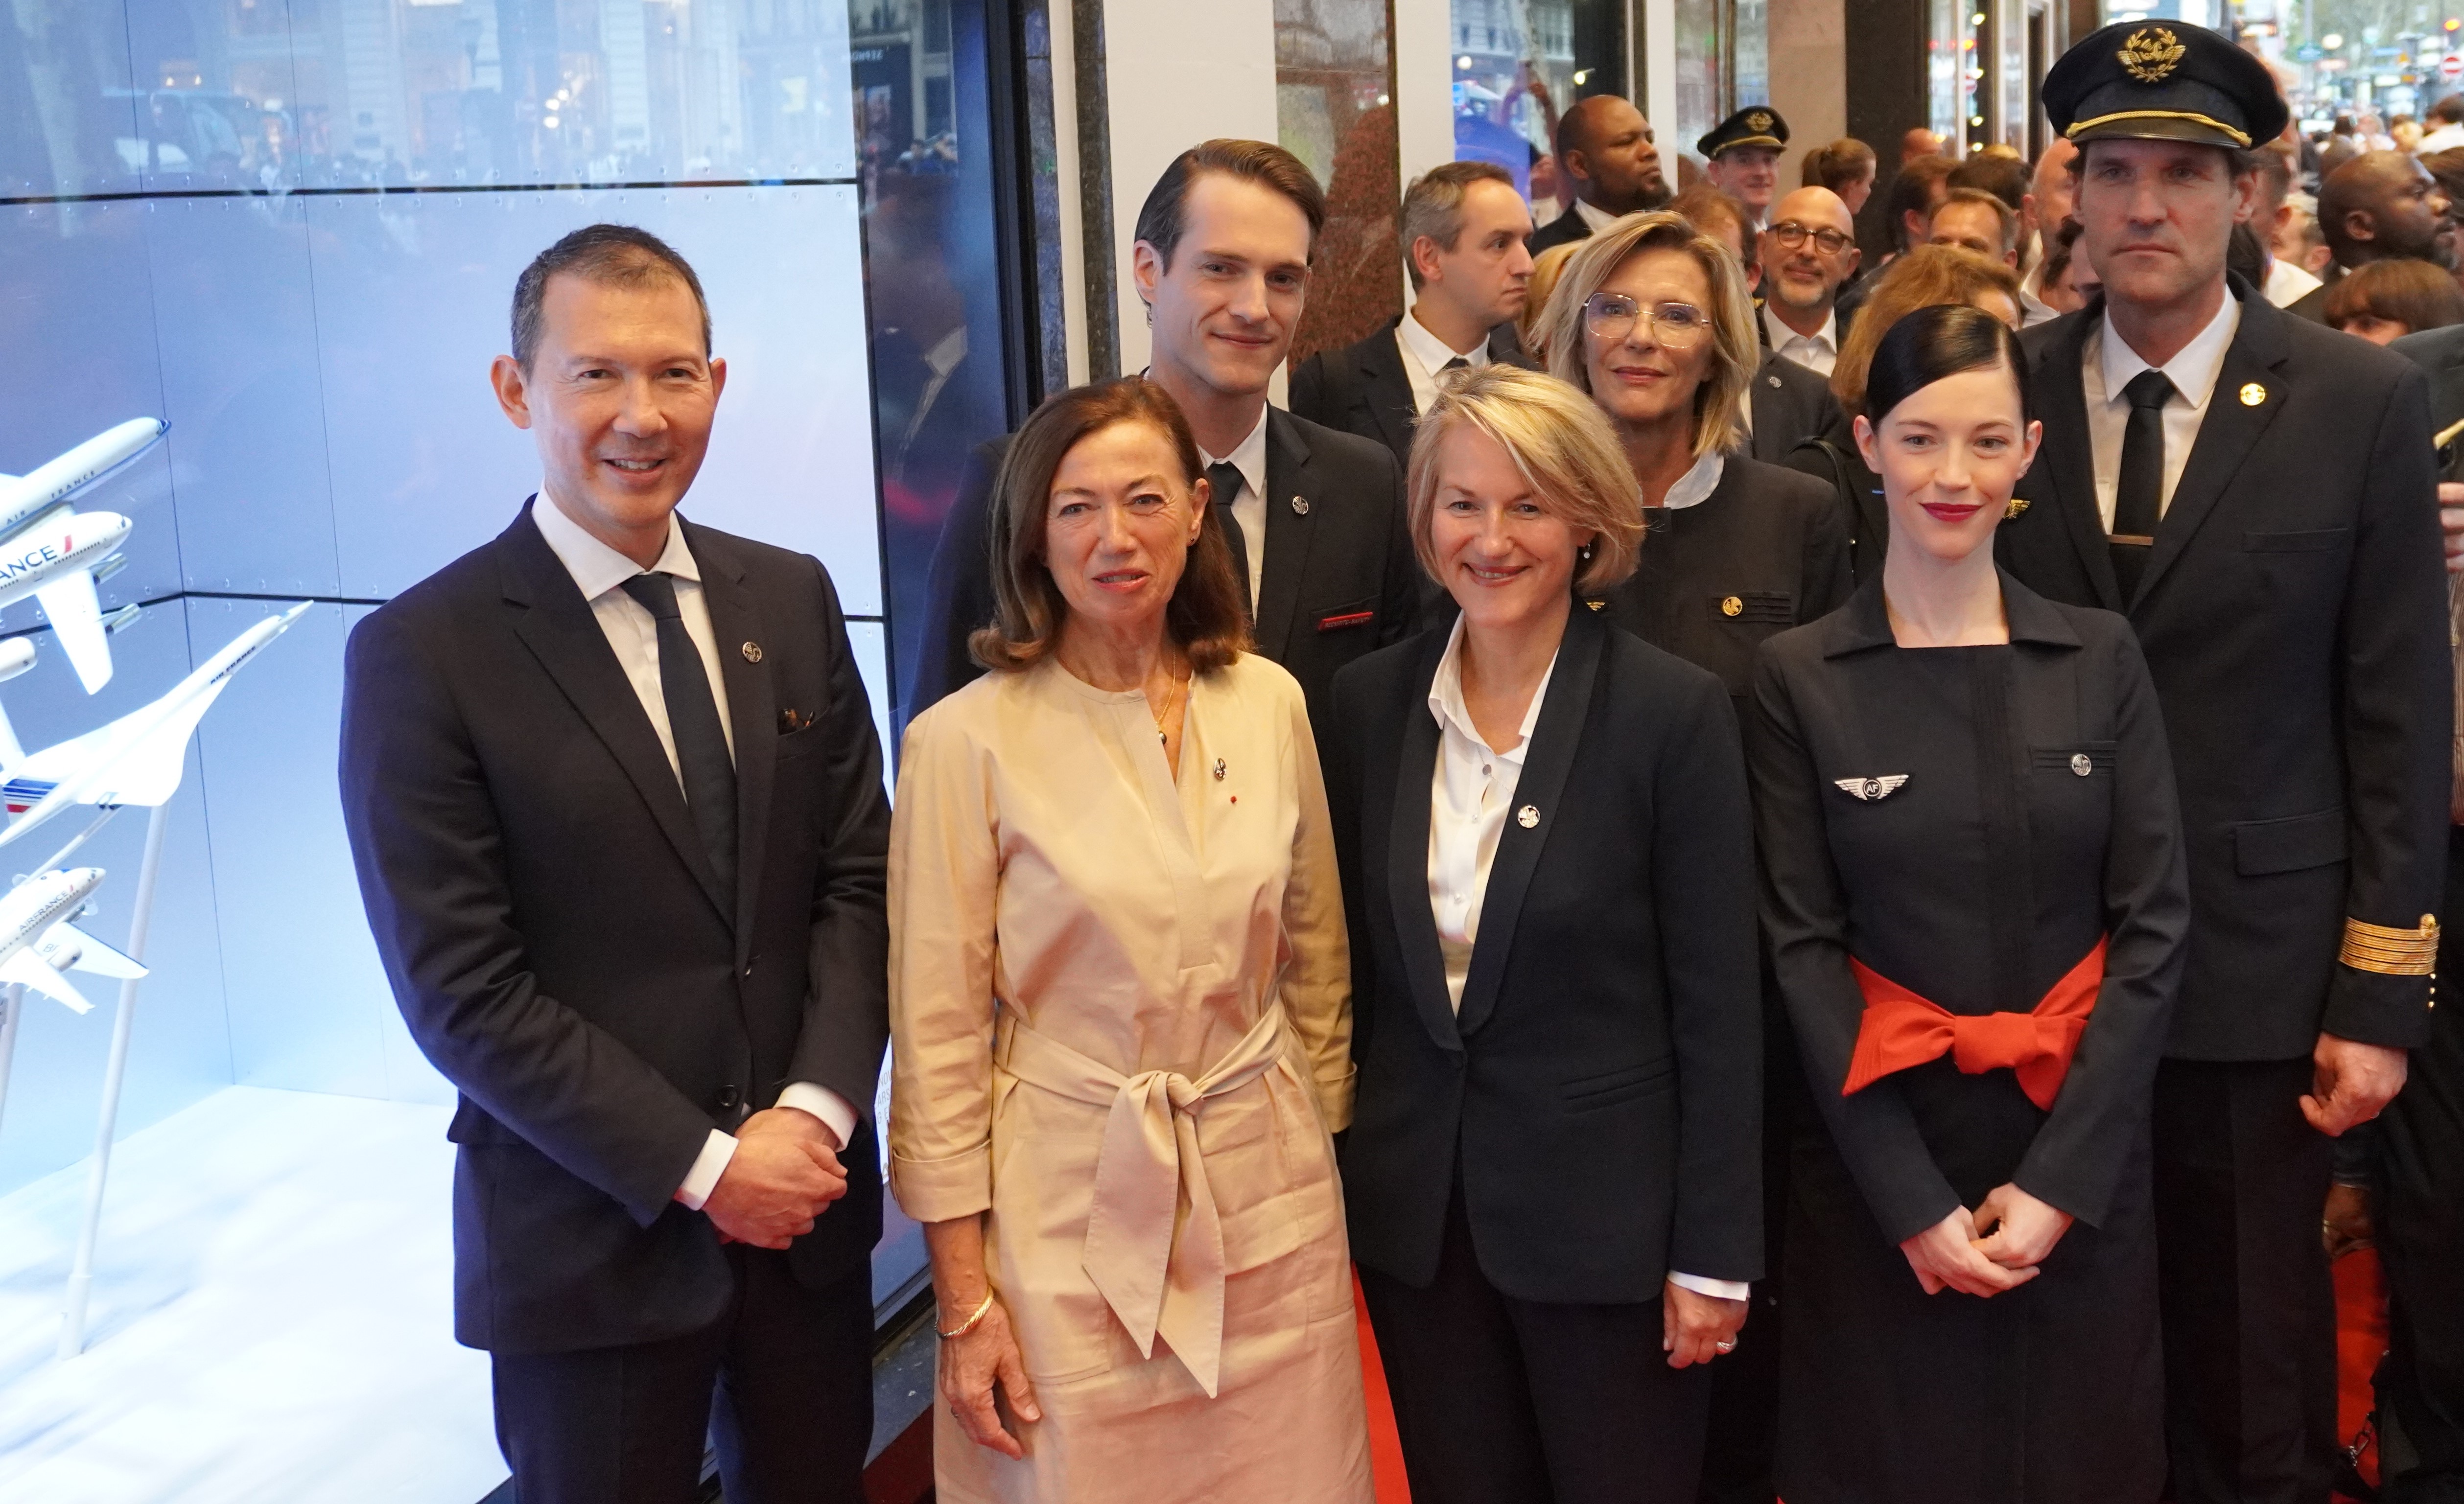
2080 765
1528 816
752 652
1300 506
1870 789
1218 770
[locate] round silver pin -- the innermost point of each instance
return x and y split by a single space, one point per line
752 652
1528 816
2081 765
1218 770
1300 506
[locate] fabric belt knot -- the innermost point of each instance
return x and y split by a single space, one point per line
1154 1242
1900 1030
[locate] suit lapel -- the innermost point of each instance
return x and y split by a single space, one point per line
752 712
2227 433
556 624
1407 858
1388 389
2068 455
1505 347
1289 530
1554 740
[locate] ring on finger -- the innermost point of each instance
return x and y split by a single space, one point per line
1724 1347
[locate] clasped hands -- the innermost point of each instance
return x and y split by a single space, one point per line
1995 1247
785 1173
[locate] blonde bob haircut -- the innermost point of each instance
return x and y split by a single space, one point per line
1734 349
1563 445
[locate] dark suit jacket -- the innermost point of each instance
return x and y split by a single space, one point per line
1362 388
1599 1086
1566 226
547 916
1791 404
2439 352
2293 616
1335 548
2312 304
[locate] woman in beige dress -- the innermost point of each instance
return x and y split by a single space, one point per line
1119 1007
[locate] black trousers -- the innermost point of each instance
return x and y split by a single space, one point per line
2421 1241
1501 1400
2249 1313
782 1382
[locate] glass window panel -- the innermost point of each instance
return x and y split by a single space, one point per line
1517 63
1334 110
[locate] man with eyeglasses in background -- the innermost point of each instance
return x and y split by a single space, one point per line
1808 253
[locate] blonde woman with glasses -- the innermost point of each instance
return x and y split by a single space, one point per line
1651 319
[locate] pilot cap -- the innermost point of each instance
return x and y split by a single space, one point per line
1754 125
2163 80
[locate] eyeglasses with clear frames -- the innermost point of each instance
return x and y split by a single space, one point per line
1791 234
1611 317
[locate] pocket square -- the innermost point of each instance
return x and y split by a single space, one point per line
791 722
1879 788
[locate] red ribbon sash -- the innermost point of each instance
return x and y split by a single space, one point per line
1900 1030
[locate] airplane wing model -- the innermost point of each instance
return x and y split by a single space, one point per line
76 615
64 948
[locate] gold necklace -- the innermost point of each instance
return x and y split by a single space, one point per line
1179 686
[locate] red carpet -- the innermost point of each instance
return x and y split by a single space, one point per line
2361 1339
1385 1451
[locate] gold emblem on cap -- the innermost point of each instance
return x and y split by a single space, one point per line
1759 120
2151 54
1732 606
2253 394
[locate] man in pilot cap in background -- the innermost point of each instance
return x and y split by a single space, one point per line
1741 159
2257 493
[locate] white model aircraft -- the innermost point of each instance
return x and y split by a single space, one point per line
136 759
54 561
22 496
39 942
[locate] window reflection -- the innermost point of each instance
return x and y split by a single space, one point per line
1334 110
1517 64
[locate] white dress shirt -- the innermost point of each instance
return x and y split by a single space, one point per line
2286 283
1249 507
2106 366
1470 791
1696 485
1818 352
1599 218
1425 355
598 572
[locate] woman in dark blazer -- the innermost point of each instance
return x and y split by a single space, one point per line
1652 319
1553 1174
1974 891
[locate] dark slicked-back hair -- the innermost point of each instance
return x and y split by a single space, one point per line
1839 164
1931 343
1165 214
1912 193
2006 177
617 255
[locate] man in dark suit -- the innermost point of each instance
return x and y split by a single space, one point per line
2382 205
1462 230
1611 157
1314 516
1786 403
615 799
2256 495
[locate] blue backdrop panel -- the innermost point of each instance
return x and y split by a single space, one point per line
239 377
78 109
412 294
181 1049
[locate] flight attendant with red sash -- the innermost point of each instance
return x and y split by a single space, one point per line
1975 895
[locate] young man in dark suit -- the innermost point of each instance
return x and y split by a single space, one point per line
615 799
2256 495
1611 158
1462 230
1314 516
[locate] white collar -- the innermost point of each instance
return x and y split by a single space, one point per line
1696 485
1599 218
1432 352
1782 336
1446 701
2194 368
596 568
1248 456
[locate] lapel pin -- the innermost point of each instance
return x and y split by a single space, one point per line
1773 380
2253 394
2081 764
1300 506
752 652
1869 789
1218 770
1528 816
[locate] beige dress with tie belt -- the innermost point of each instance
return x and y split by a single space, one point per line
1121 1026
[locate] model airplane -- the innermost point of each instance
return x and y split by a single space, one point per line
39 942
56 562
136 759
23 497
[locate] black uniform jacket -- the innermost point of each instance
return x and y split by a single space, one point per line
1362 388
2037 814
1599 1088
1339 578
1763 553
2294 613
2440 352
1791 404
1571 225
546 913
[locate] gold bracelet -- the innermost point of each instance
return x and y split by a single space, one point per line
2391 952
970 1324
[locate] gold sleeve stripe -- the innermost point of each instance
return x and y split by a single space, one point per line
2390 952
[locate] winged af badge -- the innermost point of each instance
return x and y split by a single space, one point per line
2150 54
1881 787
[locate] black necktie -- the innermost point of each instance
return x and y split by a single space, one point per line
1458 363
1223 482
2140 486
702 760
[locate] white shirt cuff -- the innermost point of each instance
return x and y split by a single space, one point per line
1716 1289
707 1166
823 1103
